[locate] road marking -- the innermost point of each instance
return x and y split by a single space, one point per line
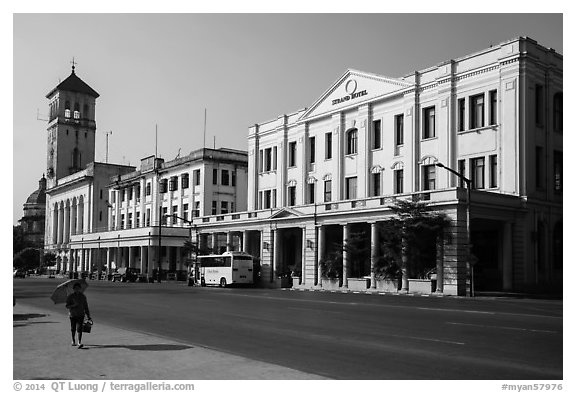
235 294
426 339
502 327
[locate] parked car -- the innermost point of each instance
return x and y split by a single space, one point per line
126 274
19 273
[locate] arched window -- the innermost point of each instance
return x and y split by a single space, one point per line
67 109
558 111
85 112
76 110
352 141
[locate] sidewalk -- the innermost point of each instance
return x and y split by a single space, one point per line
42 350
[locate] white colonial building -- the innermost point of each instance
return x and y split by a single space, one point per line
318 176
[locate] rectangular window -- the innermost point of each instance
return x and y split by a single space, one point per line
429 178
376 134
351 187
197 177
312 145
274 204
215 176
173 186
260 194
291 195
539 162
328 191
399 181
429 122
477 111
493 171
376 184
261 162
147 217
137 219
122 221
129 220
130 192
462 171
122 195
223 207
328 146
196 209
185 180
164 216
101 194
185 211
477 173
292 154
539 105
275 158
311 192
163 186
267 160
267 199
148 188
234 178
214 208
493 94
558 172
461 114
225 177
399 129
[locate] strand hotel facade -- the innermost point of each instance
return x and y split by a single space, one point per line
317 176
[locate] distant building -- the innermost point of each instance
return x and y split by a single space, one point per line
33 221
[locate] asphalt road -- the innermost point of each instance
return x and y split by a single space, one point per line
341 336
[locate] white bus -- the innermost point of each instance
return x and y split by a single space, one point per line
232 267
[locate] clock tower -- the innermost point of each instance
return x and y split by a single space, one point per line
71 128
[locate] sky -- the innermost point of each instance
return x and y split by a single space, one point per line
166 69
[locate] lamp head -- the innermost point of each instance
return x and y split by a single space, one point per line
439 164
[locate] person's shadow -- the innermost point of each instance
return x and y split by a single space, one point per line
143 347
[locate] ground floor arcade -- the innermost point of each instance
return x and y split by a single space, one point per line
291 245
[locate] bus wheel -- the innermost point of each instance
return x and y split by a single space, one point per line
222 282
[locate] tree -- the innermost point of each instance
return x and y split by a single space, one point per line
411 238
19 241
27 259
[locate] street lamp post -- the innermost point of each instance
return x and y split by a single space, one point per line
468 195
191 224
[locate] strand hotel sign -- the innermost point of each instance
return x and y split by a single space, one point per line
351 87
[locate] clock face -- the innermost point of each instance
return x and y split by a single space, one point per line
50 172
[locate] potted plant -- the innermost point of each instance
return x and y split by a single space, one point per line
388 275
331 271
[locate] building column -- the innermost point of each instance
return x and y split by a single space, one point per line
303 264
229 242
60 224
345 236
130 256
98 262
373 253
245 240
320 254
66 235
215 243
72 260
507 258
143 258
108 260
276 253
152 251
55 225
80 221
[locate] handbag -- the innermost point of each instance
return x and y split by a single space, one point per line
87 326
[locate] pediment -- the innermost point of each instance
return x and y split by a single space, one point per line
353 88
285 212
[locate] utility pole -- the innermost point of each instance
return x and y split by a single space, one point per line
107 134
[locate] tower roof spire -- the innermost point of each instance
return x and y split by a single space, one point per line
73 62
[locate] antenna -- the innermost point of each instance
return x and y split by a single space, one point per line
204 145
214 142
156 152
107 134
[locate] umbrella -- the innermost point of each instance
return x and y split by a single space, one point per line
66 288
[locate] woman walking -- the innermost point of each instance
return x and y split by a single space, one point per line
77 306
